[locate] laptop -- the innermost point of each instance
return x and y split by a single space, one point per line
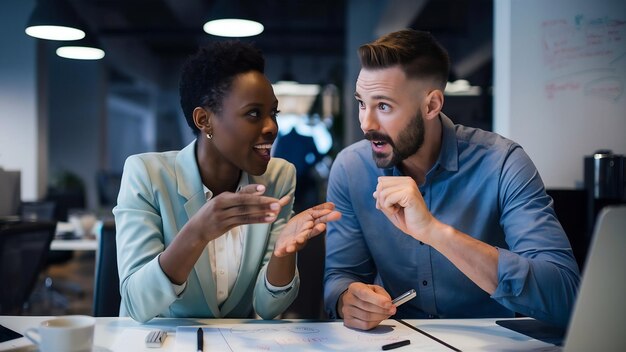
598 322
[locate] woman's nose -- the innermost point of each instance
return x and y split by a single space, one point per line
270 126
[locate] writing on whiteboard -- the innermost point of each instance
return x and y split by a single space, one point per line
585 56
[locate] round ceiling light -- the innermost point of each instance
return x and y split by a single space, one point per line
232 27
80 53
50 32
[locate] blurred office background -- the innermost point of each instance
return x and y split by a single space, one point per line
519 68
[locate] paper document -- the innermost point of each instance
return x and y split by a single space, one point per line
302 336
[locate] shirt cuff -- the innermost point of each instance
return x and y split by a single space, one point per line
178 289
279 290
512 273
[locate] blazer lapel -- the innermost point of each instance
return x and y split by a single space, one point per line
253 252
190 187
203 265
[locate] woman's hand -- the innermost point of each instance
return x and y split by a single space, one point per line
228 210
303 227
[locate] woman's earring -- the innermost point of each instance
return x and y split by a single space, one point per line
209 135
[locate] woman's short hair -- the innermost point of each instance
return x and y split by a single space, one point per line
417 52
207 75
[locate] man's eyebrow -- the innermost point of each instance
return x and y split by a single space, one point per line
376 97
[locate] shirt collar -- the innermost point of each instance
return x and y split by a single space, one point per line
243 181
449 153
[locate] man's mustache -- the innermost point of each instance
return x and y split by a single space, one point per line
377 136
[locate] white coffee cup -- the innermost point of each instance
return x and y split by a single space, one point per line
71 333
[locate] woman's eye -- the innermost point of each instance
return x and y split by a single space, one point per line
254 113
275 114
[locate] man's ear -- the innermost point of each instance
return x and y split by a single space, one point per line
202 119
434 104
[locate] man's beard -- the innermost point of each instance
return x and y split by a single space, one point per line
409 142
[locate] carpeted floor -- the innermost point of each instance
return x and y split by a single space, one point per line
71 291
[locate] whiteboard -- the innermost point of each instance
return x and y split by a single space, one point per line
560 80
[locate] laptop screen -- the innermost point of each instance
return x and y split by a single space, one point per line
599 319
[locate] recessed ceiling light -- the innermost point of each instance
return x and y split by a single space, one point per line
80 53
233 27
55 32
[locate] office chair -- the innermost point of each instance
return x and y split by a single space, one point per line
24 248
52 291
106 300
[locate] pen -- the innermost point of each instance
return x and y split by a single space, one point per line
391 346
407 296
200 343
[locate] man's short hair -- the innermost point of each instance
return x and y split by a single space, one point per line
417 52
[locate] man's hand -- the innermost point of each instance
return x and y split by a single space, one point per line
364 306
303 227
400 200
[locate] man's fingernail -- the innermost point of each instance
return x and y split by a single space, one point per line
260 188
274 206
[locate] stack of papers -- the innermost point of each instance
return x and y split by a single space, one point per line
296 336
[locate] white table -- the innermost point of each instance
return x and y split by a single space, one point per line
83 244
75 244
464 334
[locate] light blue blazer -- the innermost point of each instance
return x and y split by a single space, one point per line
159 193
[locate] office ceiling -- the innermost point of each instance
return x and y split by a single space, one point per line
146 38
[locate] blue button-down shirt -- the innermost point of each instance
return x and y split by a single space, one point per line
483 185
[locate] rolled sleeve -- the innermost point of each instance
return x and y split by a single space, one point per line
512 273
282 290
269 304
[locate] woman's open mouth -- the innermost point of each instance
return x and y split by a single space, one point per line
263 150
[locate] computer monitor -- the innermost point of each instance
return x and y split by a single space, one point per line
10 193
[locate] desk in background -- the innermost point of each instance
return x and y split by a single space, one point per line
62 242
464 334
83 244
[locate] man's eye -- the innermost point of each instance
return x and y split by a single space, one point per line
361 104
384 107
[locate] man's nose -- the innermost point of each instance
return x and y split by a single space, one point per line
368 120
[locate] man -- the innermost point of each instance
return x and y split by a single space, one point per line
458 214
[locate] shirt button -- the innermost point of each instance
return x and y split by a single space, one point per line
220 293
221 272
424 282
430 316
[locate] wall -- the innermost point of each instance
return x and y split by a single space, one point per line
76 105
559 82
20 133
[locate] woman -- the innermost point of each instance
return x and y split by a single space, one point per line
206 231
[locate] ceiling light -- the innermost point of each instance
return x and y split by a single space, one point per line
229 19
233 27
84 49
54 20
